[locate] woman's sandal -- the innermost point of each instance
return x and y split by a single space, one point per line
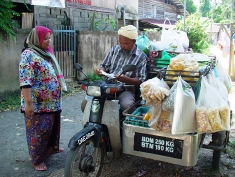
54 152
40 167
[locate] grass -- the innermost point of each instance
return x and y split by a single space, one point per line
11 100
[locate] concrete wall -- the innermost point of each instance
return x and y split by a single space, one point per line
9 61
76 16
94 45
91 50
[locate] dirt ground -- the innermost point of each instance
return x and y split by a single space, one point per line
14 158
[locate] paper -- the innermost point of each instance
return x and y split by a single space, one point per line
107 75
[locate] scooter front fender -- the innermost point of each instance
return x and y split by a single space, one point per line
89 132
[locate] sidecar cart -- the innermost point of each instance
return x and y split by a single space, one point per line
139 139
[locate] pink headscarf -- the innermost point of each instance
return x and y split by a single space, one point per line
42 31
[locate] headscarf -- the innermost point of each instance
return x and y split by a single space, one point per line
128 31
34 41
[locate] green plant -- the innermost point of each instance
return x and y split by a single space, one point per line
94 76
96 23
196 31
9 101
6 16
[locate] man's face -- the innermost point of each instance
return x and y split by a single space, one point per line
126 44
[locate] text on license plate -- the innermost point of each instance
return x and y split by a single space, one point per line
158 145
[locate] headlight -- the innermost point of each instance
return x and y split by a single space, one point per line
93 91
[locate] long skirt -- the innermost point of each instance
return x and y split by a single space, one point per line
42 132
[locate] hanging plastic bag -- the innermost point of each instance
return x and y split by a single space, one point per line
169 102
184 110
197 88
154 121
143 43
212 111
160 120
224 77
170 39
154 91
218 85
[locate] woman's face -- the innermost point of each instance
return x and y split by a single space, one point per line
46 41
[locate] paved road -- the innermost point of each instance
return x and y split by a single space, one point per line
14 158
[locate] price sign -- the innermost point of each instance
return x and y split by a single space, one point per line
158 145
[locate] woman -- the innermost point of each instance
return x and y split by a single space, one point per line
41 83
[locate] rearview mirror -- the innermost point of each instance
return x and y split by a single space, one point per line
77 66
129 67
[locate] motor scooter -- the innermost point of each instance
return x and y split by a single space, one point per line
101 132
102 136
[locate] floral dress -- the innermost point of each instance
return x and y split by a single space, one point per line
43 129
39 74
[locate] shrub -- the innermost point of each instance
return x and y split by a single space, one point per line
196 31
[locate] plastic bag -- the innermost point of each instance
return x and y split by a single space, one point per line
184 110
170 39
224 77
160 120
211 109
218 85
169 102
154 91
143 43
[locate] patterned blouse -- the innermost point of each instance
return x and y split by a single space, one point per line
39 75
116 59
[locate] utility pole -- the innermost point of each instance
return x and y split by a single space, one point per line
231 56
184 13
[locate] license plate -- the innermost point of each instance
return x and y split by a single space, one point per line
158 145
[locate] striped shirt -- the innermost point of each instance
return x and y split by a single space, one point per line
116 59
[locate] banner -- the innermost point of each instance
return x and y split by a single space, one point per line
50 3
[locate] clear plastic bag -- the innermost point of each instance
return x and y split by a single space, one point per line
215 107
154 91
223 76
218 85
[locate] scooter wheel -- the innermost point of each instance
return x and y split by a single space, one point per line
80 160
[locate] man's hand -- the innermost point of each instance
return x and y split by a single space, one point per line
99 71
121 78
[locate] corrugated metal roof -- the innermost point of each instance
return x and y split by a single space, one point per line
153 23
179 5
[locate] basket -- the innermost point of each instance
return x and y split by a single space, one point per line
136 118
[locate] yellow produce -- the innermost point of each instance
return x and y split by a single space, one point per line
147 116
178 66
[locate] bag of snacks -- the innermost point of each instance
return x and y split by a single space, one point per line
212 111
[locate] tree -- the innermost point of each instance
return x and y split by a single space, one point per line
204 7
222 12
6 16
190 6
196 31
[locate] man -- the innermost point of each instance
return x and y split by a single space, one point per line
126 52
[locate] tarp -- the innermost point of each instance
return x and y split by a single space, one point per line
50 3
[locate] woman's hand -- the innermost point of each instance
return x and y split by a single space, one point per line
29 109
